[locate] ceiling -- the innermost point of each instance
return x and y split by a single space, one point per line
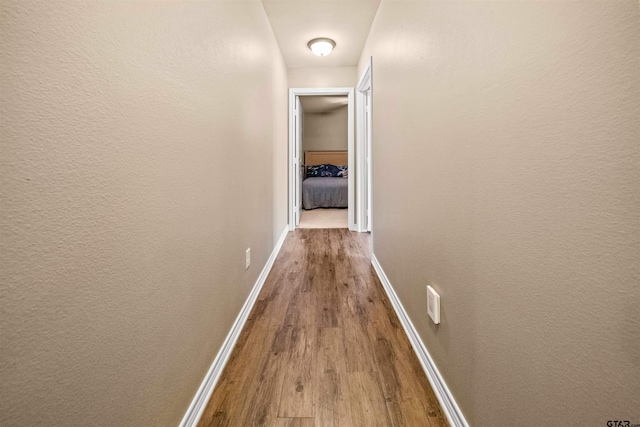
322 104
295 22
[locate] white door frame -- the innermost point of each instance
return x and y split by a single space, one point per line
365 147
298 159
293 94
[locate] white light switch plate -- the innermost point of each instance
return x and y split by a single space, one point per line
247 258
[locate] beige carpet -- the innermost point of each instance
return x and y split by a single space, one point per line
324 218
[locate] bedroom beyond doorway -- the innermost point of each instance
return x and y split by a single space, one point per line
321 157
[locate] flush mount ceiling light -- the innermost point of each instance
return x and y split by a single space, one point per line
322 46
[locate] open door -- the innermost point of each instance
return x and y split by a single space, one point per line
298 160
367 160
365 148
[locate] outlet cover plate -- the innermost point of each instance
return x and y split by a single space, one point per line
433 305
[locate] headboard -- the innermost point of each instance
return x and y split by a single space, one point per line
337 158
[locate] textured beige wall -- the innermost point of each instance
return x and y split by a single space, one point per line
280 96
506 172
130 133
322 77
325 131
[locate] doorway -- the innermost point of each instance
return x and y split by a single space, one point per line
297 163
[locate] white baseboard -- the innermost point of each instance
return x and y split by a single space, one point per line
200 400
448 403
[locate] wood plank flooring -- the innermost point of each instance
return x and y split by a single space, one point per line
323 347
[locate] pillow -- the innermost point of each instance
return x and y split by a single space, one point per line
326 170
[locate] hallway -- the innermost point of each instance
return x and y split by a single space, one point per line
147 167
323 346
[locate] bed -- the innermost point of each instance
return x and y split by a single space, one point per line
325 191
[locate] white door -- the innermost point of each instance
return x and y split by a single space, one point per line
298 163
368 149
365 150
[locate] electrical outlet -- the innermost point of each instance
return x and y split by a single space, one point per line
247 258
433 305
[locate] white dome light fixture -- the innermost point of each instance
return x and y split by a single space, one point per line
322 46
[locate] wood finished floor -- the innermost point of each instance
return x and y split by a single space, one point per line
323 347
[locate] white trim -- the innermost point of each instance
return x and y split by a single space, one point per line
359 144
447 402
298 159
363 172
352 164
290 159
200 400
295 92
